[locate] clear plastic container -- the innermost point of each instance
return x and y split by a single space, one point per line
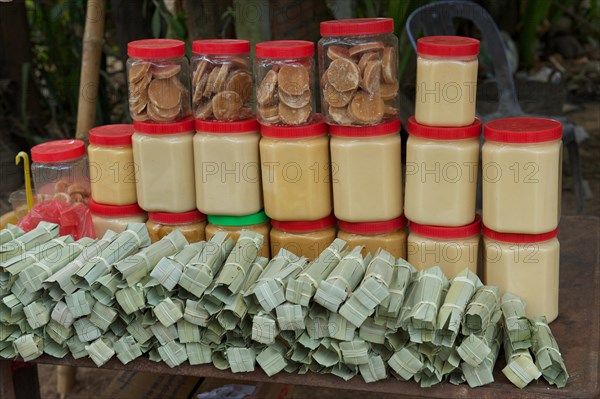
358 66
164 159
285 92
158 77
442 164
296 172
307 239
389 235
522 175
526 265
113 217
222 85
227 167
112 171
258 223
366 172
60 170
446 80
192 224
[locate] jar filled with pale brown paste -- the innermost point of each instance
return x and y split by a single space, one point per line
306 239
192 224
389 235
233 225
114 217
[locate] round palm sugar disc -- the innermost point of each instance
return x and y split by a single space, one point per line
226 105
372 56
204 111
199 89
138 71
165 71
200 70
294 116
388 91
366 108
221 78
240 82
164 93
340 115
293 79
266 90
335 52
155 114
372 77
268 111
364 47
336 98
294 101
343 75
210 84
389 65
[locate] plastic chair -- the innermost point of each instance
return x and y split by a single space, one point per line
436 19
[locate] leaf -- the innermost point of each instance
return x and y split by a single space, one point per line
156 23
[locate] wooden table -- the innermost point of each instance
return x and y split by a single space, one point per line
577 331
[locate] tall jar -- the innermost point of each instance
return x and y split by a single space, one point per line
112 171
191 224
164 159
446 80
227 165
307 239
358 66
389 235
296 175
366 171
158 77
285 82
526 265
442 164
233 225
221 79
114 217
522 175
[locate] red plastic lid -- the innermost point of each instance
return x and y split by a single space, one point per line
177 218
519 238
374 227
109 135
523 130
221 46
444 133
114 210
316 128
285 49
449 46
366 131
357 26
249 125
467 230
328 221
156 48
58 151
183 126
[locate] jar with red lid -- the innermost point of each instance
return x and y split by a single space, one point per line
60 170
522 175
114 217
284 74
306 239
358 69
158 77
192 224
389 235
221 80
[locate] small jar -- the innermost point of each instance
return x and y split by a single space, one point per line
306 239
358 66
446 80
296 176
227 166
114 217
285 77
258 223
526 265
221 80
164 158
451 248
112 171
389 235
366 172
192 224
60 170
522 175
158 77
441 174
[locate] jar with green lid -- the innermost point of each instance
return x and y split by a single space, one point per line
256 222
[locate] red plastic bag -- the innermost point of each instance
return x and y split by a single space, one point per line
73 218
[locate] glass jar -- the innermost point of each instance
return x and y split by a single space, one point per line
221 80
526 265
114 217
296 173
441 174
446 80
158 77
192 224
522 175
285 82
112 171
306 239
358 66
366 171
227 165
451 248
60 170
389 235
164 159
258 223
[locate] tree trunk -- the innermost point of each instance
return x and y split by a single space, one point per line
205 19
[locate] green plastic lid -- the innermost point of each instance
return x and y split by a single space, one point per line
245 220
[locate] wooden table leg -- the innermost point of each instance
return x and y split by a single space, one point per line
20 382
6 380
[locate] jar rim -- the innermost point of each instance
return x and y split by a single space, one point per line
316 128
184 126
285 49
245 220
448 46
177 218
523 130
221 46
381 129
245 126
111 135
373 227
58 151
304 226
519 238
114 210
156 48
443 232
356 26
444 133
